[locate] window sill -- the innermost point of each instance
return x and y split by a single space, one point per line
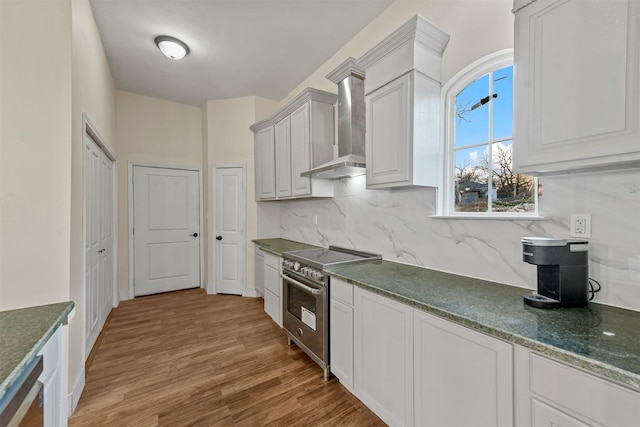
525 217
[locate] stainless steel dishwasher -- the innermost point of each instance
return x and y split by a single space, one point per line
23 404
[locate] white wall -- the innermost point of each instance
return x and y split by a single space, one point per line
230 141
93 94
35 151
151 131
397 224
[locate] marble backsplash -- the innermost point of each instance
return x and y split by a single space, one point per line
397 224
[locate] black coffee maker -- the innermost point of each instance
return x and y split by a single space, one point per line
563 271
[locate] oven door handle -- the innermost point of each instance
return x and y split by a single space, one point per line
302 285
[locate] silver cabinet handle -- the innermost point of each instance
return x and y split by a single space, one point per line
302 285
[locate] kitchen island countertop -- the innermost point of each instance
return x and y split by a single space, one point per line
23 332
598 338
277 246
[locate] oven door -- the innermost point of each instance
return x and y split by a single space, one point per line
304 316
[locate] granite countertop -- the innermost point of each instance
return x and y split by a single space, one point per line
23 333
278 246
598 338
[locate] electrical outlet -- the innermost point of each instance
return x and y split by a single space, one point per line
580 225
315 220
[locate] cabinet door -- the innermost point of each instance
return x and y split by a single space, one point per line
544 415
384 357
388 133
341 341
272 288
577 85
300 151
455 368
283 158
55 414
265 164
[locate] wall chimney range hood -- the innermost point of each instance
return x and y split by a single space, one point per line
351 125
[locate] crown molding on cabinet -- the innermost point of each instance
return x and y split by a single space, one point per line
309 94
348 68
417 28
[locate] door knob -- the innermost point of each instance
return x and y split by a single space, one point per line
218 237
194 234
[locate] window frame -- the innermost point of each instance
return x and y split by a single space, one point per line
450 90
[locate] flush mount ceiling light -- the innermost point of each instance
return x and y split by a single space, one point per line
171 47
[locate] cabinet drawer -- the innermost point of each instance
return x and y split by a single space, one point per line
272 279
272 261
272 306
584 394
341 290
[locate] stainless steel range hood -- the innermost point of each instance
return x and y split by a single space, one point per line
351 124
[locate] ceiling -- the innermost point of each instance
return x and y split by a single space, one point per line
238 47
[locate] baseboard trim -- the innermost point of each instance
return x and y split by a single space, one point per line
74 396
250 293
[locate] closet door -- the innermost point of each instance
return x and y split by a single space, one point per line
99 196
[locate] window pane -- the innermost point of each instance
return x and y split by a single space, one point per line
471 180
472 116
512 192
503 104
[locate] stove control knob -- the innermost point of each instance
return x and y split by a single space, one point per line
296 266
317 275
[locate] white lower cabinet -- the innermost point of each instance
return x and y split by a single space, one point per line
384 357
414 368
551 393
273 287
53 378
462 377
341 336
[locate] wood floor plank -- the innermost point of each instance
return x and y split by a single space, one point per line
191 359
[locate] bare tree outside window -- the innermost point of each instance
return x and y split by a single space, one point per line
484 176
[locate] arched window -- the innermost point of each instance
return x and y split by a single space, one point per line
479 178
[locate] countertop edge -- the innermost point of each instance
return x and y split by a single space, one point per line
612 373
19 369
265 247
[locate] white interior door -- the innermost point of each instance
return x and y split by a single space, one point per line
166 227
98 183
229 229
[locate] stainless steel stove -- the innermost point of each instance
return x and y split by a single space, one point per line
305 311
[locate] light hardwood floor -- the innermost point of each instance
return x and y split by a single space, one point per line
191 359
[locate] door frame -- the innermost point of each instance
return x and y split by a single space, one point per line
211 285
131 165
89 129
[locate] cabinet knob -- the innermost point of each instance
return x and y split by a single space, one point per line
194 235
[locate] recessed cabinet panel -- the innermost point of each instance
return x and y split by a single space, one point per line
283 158
388 133
456 367
577 85
544 416
300 151
384 357
265 164
341 341
272 287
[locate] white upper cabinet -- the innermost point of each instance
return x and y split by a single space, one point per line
403 113
577 85
264 146
283 158
303 135
301 150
